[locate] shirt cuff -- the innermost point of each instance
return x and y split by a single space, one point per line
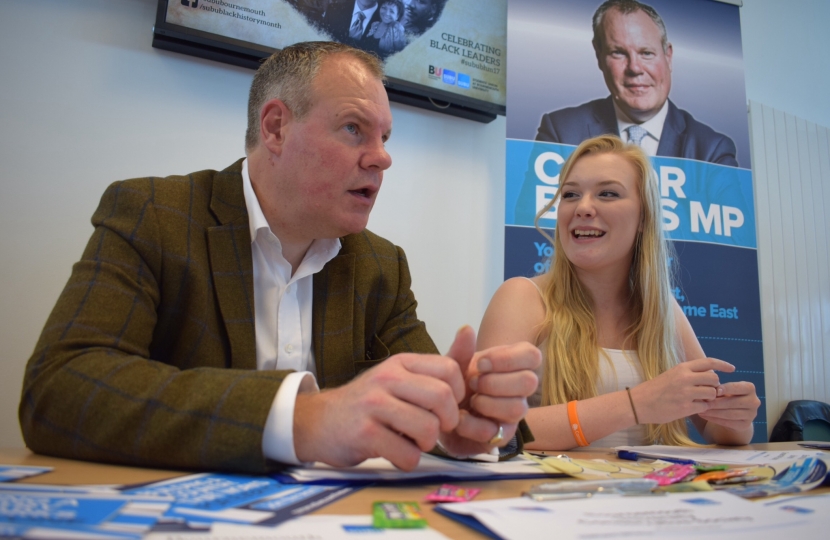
278 434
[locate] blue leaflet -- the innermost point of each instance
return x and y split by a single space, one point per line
104 516
10 473
204 499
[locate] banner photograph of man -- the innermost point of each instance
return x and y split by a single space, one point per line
421 15
635 58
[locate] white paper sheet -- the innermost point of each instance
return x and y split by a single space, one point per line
309 527
689 515
379 469
813 512
717 455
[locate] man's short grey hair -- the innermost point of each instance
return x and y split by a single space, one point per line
288 74
625 7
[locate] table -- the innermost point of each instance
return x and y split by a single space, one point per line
70 472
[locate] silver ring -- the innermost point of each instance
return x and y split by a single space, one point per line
498 437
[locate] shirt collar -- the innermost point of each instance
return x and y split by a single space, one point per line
256 219
654 125
368 11
321 251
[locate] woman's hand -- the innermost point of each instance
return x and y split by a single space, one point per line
686 389
735 407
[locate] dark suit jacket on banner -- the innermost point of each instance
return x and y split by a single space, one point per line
682 137
149 356
338 21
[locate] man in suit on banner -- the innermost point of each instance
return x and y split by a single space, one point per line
421 15
635 58
207 308
348 21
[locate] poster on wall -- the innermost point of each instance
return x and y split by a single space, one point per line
456 47
674 69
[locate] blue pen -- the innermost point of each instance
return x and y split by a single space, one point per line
634 456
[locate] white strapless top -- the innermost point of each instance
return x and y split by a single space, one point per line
620 369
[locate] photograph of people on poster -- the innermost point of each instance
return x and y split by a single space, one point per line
454 47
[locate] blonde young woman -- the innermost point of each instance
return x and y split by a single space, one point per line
621 363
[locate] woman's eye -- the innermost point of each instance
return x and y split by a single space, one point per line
569 195
609 194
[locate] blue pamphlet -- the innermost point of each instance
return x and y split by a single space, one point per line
51 515
203 499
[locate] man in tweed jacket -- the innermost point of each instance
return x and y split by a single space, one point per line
154 356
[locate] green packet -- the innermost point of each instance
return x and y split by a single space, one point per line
398 515
710 468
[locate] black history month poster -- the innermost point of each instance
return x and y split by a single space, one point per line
455 46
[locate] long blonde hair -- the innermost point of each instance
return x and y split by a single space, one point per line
572 350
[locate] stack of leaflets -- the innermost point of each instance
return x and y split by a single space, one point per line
191 503
431 469
201 500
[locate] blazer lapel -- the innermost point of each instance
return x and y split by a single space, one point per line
605 120
231 264
333 321
671 140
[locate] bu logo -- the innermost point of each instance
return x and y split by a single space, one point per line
435 71
194 3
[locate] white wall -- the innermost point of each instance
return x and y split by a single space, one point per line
787 74
792 175
785 56
85 100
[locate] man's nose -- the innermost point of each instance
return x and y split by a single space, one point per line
634 64
376 157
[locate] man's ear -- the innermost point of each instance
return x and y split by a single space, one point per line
274 119
669 53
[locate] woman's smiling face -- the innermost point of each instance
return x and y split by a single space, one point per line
600 212
388 12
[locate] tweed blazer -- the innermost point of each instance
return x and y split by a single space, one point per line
149 355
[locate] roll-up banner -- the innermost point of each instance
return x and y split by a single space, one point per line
685 86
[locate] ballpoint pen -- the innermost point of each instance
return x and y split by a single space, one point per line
634 456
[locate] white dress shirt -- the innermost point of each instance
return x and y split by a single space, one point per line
654 126
282 314
366 12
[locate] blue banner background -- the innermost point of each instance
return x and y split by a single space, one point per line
702 202
708 209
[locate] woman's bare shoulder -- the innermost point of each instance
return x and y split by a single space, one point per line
515 313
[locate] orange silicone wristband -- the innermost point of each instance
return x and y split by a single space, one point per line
576 428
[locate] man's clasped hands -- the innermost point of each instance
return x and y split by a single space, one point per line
410 402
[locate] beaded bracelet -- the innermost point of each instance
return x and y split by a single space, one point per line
631 400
